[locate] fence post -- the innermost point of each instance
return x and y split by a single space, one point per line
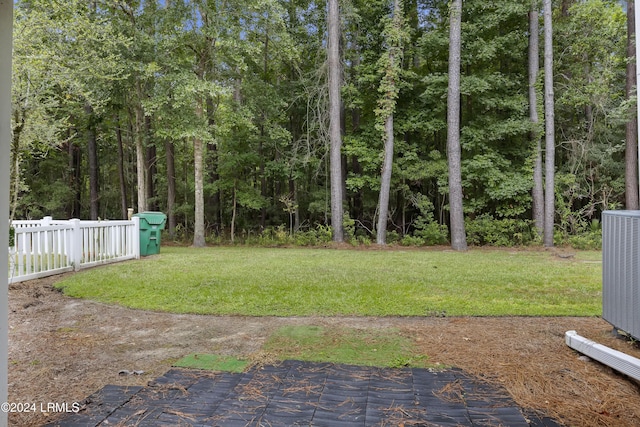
46 221
76 244
135 237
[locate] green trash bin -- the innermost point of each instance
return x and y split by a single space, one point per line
151 226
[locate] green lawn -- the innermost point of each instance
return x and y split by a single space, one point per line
304 282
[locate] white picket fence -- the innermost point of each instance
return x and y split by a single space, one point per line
47 247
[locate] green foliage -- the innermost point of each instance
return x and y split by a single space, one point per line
426 227
349 227
485 230
588 240
591 111
280 236
248 78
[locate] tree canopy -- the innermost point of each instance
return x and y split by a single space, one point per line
217 112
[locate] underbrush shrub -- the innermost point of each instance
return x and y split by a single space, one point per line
270 236
409 240
319 235
362 240
587 236
427 229
432 233
393 237
349 227
586 241
486 230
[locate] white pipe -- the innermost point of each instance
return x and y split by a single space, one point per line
621 362
6 34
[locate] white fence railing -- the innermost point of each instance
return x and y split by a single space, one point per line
48 247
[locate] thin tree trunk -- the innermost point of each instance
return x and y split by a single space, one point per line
75 162
631 141
385 183
534 66
151 158
391 92
121 174
549 117
335 71
263 177
233 213
94 173
212 166
198 153
454 152
169 149
14 173
140 158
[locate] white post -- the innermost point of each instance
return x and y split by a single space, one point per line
134 237
76 244
6 34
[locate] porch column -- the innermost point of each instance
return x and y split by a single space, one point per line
6 30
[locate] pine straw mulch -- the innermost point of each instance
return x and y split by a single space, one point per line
63 350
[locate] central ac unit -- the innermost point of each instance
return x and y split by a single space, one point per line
621 270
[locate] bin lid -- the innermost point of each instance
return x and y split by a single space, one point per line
153 218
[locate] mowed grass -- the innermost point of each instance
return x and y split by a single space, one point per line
383 347
329 282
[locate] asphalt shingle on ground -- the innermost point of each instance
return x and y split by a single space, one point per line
297 393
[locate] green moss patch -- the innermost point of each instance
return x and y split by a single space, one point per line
384 348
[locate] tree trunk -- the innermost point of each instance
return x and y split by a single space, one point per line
631 141
454 152
140 159
121 176
385 183
534 66
391 92
212 165
335 136
151 158
233 213
75 162
549 116
94 173
14 172
169 149
198 154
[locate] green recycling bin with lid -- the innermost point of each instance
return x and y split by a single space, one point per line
151 226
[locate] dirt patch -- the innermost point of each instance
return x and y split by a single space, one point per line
62 350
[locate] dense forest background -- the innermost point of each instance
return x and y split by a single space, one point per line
216 112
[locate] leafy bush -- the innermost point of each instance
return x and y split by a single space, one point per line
363 240
433 233
393 237
409 240
320 235
427 228
586 236
12 237
349 227
486 230
270 236
590 240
